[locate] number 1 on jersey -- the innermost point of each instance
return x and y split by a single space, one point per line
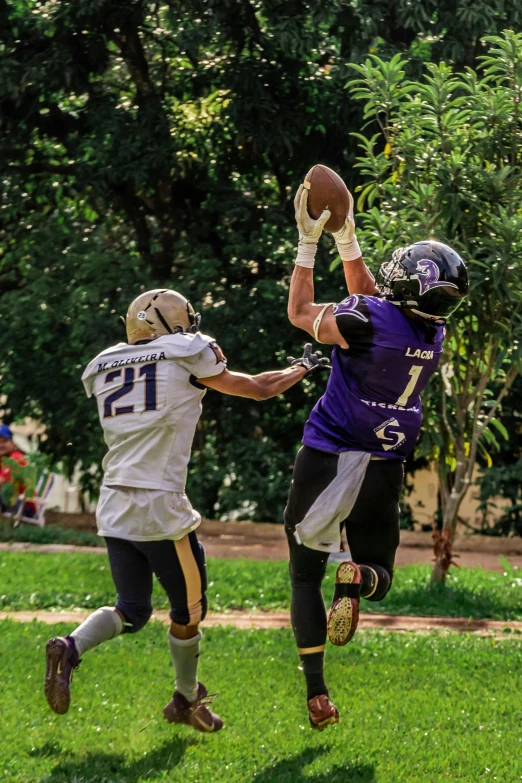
415 371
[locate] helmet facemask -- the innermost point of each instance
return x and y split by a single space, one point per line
390 271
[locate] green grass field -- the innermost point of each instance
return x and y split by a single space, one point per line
413 708
54 534
31 580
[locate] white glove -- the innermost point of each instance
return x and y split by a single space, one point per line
309 229
345 240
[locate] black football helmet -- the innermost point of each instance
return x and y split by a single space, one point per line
428 277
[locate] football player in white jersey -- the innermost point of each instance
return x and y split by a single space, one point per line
149 393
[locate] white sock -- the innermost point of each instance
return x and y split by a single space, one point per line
185 658
101 625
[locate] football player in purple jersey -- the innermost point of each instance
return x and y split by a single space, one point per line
388 341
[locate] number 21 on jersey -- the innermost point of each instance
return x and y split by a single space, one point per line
415 371
148 371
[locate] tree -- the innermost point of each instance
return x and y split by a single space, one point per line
504 478
445 163
144 145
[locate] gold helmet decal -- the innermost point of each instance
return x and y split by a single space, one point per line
159 312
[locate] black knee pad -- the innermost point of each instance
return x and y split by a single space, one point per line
136 616
384 580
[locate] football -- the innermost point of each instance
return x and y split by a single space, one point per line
326 190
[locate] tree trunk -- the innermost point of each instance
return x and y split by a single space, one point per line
439 571
443 549
451 500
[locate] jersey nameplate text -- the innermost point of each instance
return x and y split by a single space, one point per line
149 357
418 354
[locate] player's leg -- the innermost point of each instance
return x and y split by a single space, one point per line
181 570
132 577
313 472
372 531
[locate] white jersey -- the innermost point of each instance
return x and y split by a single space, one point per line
149 404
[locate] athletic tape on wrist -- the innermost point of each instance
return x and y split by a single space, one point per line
349 252
306 254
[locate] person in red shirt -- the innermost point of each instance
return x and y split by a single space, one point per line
8 449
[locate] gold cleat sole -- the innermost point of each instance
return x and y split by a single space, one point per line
344 614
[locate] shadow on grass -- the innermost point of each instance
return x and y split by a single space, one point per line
292 770
117 768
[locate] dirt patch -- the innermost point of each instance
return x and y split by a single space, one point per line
264 620
263 534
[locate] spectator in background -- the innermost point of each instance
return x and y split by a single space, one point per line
9 449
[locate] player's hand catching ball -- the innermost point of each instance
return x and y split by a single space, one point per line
345 239
310 230
312 362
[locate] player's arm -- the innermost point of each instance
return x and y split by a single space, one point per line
266 384
316 319
359 279
255 387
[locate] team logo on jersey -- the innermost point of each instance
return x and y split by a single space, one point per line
348 307
220 356
428 276
141 315
391 437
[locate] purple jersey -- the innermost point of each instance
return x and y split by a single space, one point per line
372 400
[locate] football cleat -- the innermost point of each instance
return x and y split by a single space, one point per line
344 614
61 660
322 712
195 713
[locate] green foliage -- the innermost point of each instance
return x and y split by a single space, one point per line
82 580
145 145
500 485
446 165
466 731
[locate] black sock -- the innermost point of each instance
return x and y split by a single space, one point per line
368 580
375 582
313 668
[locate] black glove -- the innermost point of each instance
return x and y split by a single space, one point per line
310 361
